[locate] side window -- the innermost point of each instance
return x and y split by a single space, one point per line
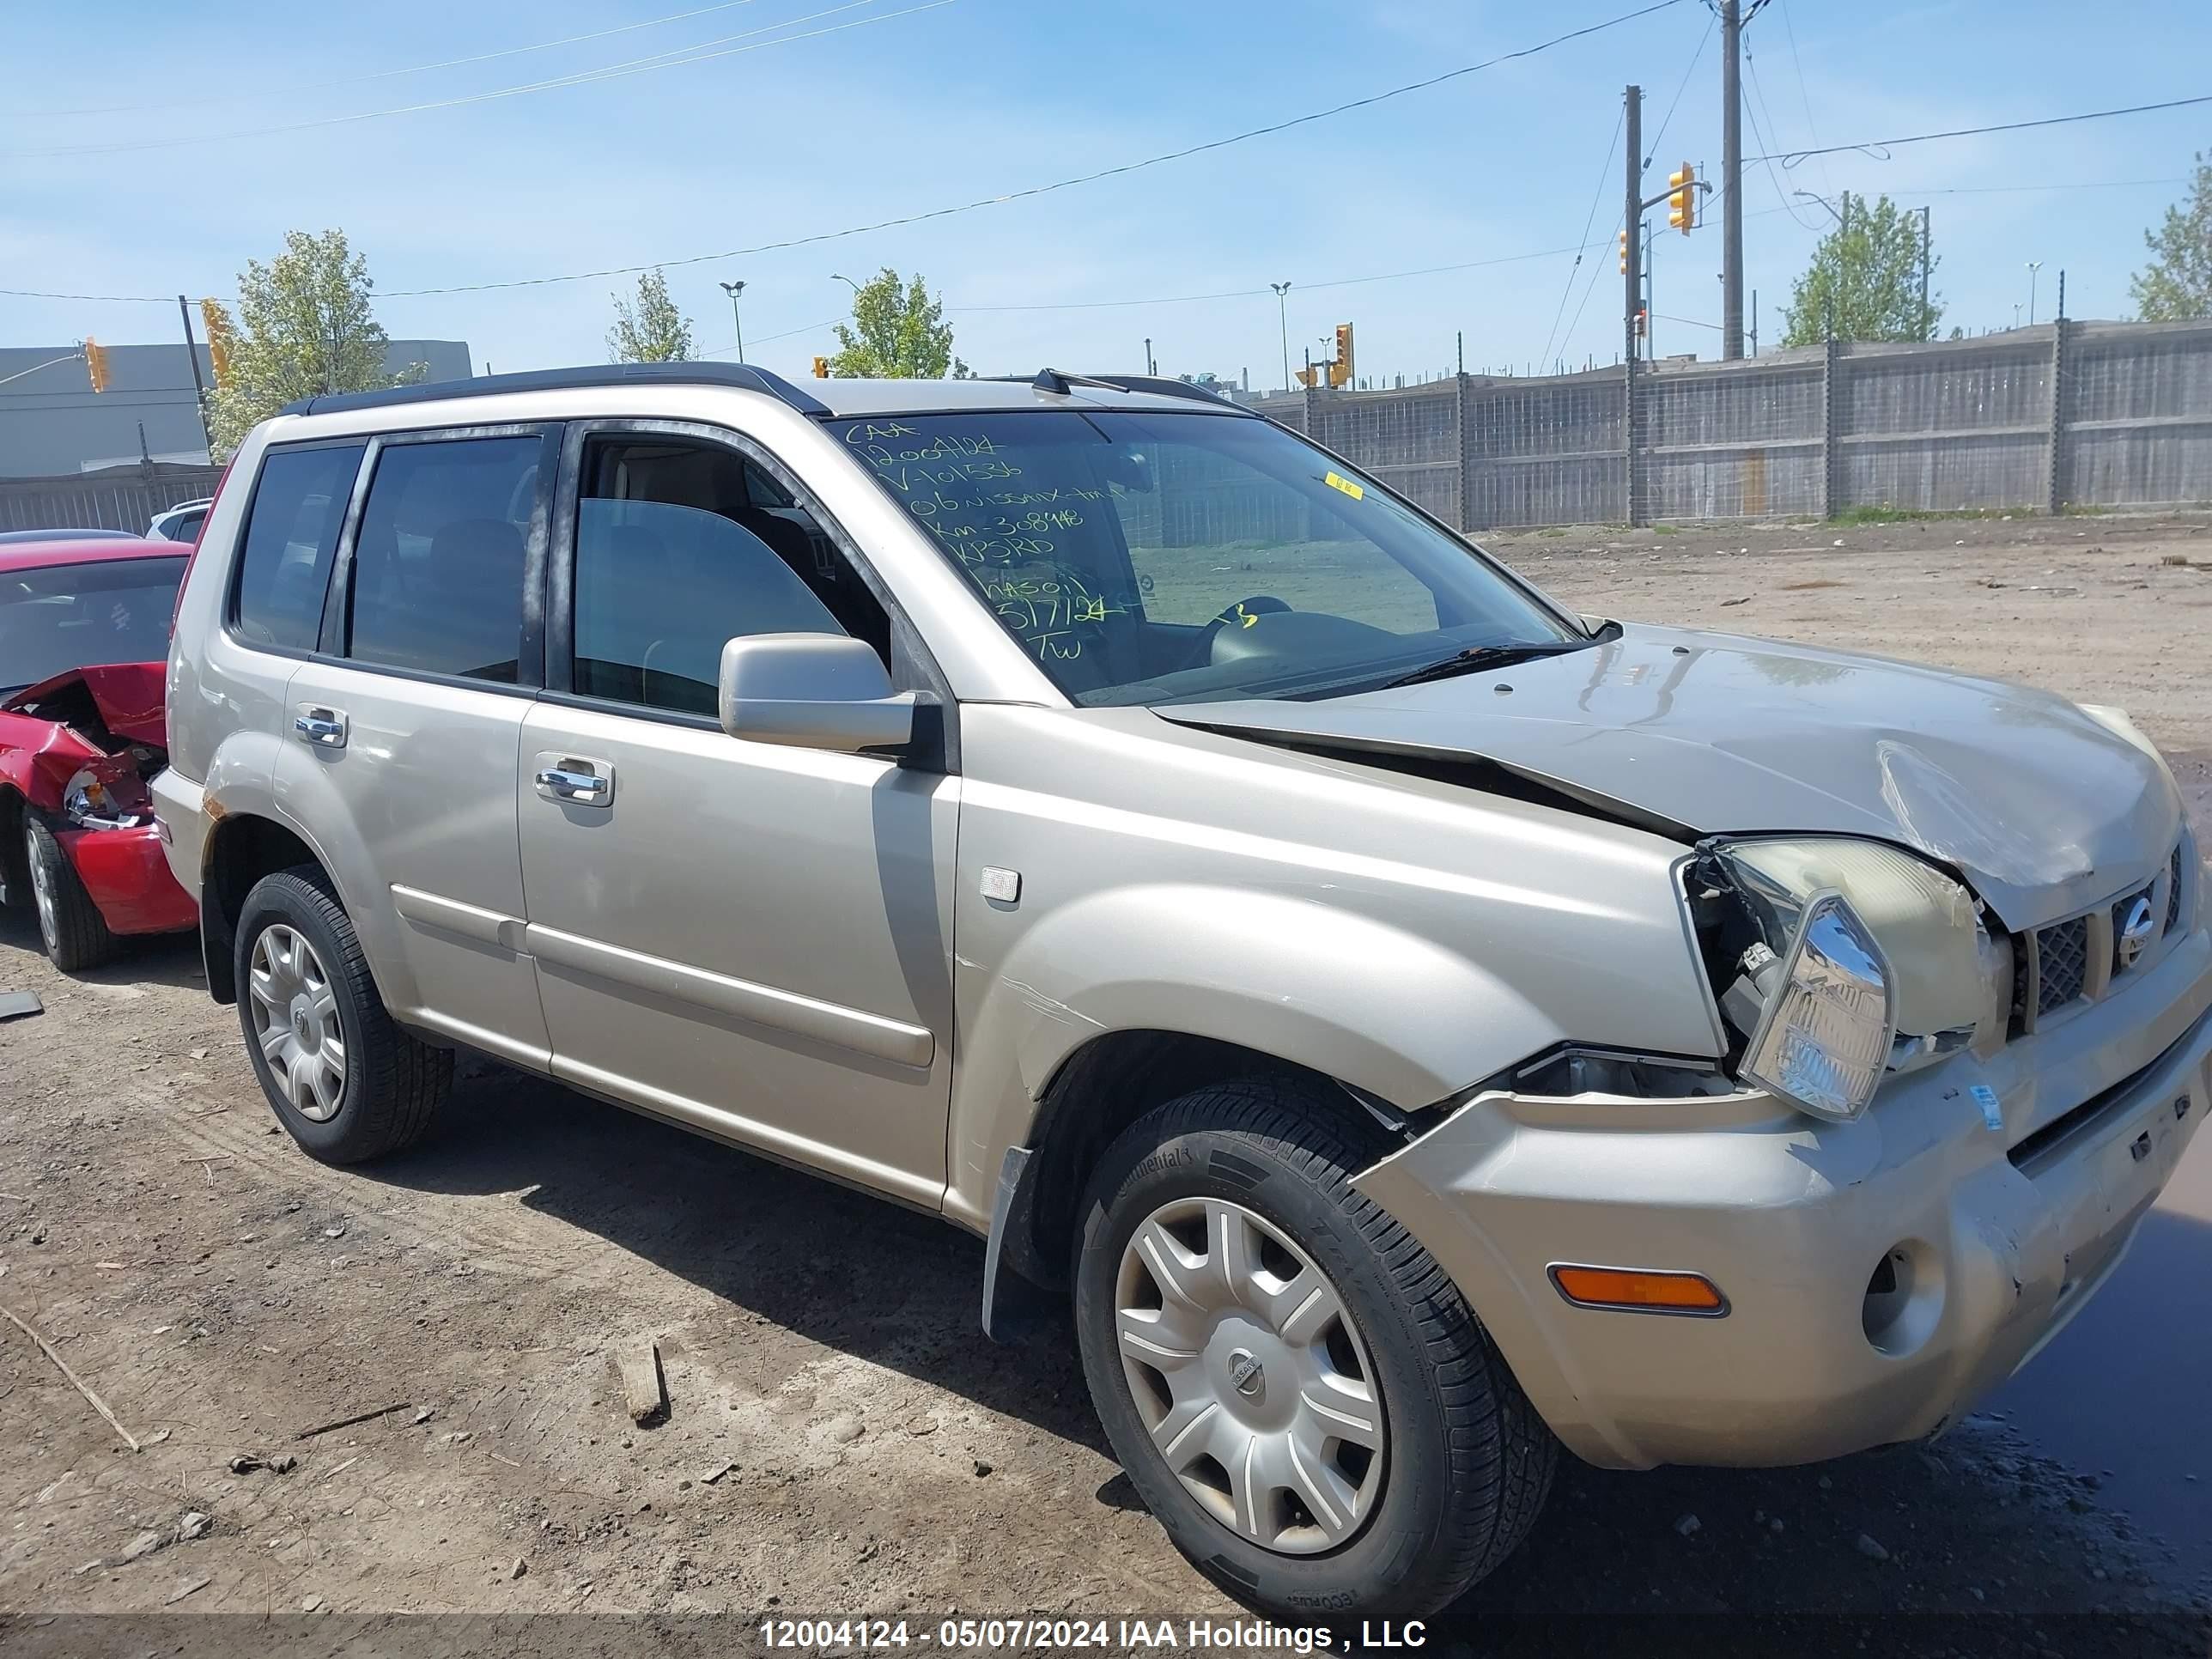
681 547
438 561
284 566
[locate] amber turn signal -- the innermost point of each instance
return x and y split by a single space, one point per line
1637 1291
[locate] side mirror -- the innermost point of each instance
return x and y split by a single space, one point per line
812 691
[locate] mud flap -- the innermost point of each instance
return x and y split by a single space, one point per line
1014 1310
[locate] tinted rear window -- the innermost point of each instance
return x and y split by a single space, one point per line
291 533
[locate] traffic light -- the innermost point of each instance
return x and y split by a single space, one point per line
1642 322
1340 371
95 364
821 368
1682 198
1624 253
216 321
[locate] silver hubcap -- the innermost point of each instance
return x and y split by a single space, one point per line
1251 1376
42 895
296 1021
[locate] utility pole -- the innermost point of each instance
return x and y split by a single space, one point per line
200 387
733 289
1632 244
1632 265
2033 266
1731 180
1927 259
1151 367
1283 318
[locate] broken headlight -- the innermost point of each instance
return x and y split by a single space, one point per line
1945 983
90 801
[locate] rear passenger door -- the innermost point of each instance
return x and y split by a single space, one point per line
403 727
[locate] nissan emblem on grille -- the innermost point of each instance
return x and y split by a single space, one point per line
2134 933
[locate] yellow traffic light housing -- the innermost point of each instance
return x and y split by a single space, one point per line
216 321
1682 198
1339 372
821 368
95 364
1624 253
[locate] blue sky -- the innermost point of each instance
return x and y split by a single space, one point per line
976 98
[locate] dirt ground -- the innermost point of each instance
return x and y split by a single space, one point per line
841 1438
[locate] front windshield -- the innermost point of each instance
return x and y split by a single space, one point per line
1165 557
62 617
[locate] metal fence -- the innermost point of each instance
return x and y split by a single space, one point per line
2063 414
126 498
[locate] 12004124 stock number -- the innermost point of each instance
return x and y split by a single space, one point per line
953 1633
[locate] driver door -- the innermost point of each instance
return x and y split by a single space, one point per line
748 938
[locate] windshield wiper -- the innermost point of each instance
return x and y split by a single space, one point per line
1476 658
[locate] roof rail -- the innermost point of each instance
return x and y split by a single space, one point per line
1058 381
742 375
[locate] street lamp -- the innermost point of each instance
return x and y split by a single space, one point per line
848 281
1283 318
2033 265
733 289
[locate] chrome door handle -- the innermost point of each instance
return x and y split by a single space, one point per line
580 788
324 727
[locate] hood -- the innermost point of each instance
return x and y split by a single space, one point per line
127 696
2041 808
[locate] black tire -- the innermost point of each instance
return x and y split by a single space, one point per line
70 927
394 1083
1469 1462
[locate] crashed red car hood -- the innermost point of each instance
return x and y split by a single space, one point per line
128 694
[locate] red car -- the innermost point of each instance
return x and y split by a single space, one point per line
84 634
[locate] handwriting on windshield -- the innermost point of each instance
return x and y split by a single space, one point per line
1006 535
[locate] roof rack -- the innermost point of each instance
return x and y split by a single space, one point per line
1057 381
742 375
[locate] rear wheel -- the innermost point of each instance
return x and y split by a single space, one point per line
71 926
345 1081
1295 1388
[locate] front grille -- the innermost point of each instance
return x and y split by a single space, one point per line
2062 952
2174 889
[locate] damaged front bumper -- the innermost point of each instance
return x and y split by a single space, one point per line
1880 1274
126 872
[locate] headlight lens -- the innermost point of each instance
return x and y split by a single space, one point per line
1825 1039
92 802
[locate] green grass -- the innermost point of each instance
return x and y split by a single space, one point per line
1666 529
1851 515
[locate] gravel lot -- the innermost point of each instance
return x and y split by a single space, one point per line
840 1438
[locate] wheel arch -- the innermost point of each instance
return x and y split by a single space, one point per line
242 848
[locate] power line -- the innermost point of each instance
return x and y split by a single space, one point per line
290 88
104 298
1058 184
1790 158
1683 86
672 59
1605 169
1758 92
1804 96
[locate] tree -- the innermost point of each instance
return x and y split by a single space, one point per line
2178 283
1865 281
652 331
304 329
898 333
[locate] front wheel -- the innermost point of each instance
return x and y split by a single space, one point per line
71 927
1295 1388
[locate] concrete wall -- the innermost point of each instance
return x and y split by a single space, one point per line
2075 413
51 422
